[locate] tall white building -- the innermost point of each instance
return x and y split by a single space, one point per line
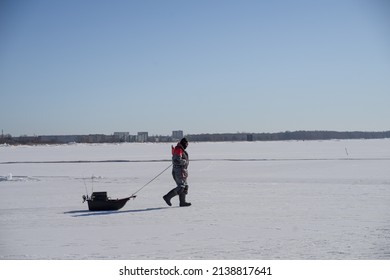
177 134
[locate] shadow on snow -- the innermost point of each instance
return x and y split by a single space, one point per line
85 213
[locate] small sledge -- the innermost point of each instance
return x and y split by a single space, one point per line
99 201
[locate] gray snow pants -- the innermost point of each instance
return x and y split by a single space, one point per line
180 175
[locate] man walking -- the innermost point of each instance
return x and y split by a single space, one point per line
180 161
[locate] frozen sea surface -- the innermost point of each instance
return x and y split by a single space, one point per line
251 200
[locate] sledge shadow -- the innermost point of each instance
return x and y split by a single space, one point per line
86 213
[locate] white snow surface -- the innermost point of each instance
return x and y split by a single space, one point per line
250 200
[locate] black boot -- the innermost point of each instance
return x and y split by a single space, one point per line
169 196
182 198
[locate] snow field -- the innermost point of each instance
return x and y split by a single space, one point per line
251 200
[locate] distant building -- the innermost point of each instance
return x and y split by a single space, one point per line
121 136
58 139
142 137
165 138
132 138
97 138
177 134
249 137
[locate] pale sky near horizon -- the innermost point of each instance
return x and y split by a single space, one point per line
81 67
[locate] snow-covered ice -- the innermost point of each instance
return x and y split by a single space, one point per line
251 200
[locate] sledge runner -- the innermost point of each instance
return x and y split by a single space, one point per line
180 161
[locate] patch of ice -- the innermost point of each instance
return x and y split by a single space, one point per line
13 178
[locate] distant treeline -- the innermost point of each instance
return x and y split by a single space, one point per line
288 135
216 137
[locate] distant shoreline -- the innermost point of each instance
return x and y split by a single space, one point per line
302 135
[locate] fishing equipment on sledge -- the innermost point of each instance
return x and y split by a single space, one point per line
99 201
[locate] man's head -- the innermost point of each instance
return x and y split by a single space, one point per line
184 142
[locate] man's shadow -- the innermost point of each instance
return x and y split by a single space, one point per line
86 213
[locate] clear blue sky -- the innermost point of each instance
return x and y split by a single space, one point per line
80 67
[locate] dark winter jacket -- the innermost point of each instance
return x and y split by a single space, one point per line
180 160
